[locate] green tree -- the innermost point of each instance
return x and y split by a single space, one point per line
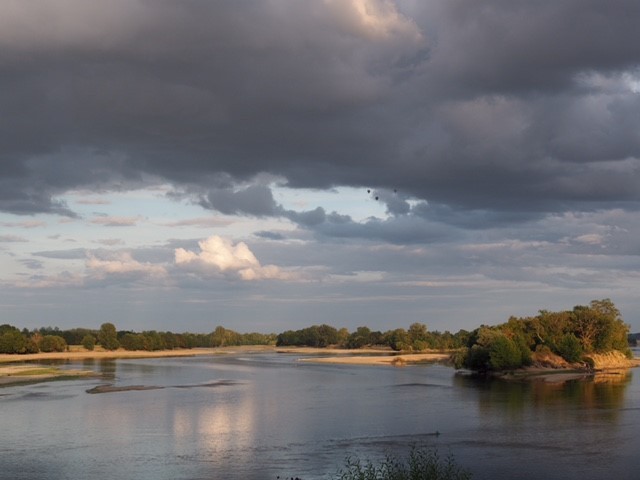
132 341
492 349
53 343
359 338
12 341
418 336
504 354
398 339
108 336
88 342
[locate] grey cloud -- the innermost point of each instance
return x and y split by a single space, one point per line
495 106
269 235
12 239
501 46
253 200
400 230
73 254
310 218
32 264
109 221
110 242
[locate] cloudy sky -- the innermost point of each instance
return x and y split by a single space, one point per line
271 164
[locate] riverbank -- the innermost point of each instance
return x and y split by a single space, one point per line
396 360
547 370
21 374
18 369
551 368
79 353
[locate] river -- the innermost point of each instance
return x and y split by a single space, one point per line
260 416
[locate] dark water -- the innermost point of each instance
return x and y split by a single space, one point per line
259 416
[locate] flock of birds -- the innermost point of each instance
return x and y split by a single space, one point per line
377 197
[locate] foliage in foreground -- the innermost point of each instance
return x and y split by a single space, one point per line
422 464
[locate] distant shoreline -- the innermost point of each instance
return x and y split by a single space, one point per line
19 369
374 355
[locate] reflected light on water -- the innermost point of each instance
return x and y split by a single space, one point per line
217 425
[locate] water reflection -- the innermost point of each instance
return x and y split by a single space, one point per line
601 394
269 415
105 367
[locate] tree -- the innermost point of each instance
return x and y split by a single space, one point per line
600 327
398 339
359 338
570 348
419 337
492 349
504 354
53 343
12 341
132 341
88 342
108 336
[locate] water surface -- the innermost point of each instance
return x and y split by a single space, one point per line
263 415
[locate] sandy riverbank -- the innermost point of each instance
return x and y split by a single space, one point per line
79 353
14 371
396 360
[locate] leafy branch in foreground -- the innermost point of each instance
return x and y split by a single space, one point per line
422 464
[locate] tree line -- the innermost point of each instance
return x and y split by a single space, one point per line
416 338
49 339
569 334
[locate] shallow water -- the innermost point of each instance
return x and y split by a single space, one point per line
264 415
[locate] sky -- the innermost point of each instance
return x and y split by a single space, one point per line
268 165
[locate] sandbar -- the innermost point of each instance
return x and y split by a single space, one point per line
81 354
19 374
396 360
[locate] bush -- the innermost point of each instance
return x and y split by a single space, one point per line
422 464
52 343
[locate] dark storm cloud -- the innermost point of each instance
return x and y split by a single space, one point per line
496 106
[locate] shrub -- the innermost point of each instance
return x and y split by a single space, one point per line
422 464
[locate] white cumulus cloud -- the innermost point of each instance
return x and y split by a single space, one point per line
221 255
